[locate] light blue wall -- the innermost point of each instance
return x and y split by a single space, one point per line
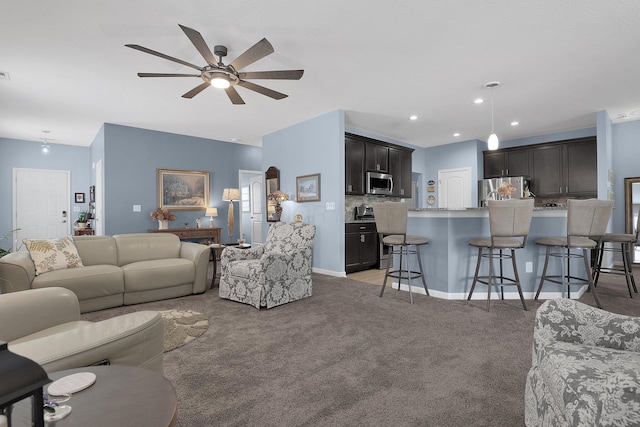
313 146
132 157
626 164
26 154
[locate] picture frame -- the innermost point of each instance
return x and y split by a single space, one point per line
308 188
79 197
183 189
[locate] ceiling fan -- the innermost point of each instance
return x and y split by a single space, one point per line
223 76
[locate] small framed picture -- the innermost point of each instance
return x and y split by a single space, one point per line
92 193
79 197
308 188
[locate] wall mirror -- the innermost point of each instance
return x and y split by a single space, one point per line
632 210
271 185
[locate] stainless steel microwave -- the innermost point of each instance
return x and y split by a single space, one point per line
379 183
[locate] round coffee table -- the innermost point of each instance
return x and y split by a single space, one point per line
121 396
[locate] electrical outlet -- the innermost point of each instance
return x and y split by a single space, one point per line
137 208
528 267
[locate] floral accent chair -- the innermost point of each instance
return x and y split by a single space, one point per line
586 367
275 273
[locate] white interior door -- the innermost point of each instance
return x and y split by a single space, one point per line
255 193
41 207
454 188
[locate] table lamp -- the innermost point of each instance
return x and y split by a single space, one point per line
230 195
211 212
279 197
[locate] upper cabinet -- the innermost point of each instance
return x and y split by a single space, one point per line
354 166
507 163
376 158
557 169
369 155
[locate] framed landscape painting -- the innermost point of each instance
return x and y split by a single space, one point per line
186 190
308 188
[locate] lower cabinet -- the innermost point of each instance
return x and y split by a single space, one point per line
361 246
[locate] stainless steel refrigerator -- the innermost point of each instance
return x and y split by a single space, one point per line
488 189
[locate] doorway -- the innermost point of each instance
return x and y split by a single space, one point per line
454 188
41 204
251 205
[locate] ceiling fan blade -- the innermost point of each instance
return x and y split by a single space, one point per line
262 90
196 90
162 55
166 75
198 41
283 75
251 55
234 96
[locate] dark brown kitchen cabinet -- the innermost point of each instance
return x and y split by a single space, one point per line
400 169
568 169
361 246
354 166
507 163
376 158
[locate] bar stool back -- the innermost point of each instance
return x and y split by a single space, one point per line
586 224
509 222
391 225
627 242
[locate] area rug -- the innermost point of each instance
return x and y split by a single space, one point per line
182 327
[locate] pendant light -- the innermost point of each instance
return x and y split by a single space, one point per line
45 148
493 141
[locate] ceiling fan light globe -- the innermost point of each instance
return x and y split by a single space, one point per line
220 82
493 142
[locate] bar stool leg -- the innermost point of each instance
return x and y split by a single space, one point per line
544 272
386 273
628 273
424 281
630 248
475 276
489 279
517 277
591 287
408 264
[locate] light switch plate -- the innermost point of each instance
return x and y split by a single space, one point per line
331 206
137 208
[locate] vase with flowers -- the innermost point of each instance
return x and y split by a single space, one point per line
163 216
505 190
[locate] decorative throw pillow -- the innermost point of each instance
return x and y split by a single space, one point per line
53 254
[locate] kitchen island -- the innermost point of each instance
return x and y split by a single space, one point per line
449 262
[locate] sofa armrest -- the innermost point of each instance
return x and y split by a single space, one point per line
199 254
134 339
572 321
17 271
27 312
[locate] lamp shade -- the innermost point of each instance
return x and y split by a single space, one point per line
211 212
278 196
231 195
492 142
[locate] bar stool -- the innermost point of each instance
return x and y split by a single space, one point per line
391 225
627 243
509 222
586 224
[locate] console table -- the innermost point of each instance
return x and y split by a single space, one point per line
212 233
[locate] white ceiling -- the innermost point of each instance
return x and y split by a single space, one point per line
559 63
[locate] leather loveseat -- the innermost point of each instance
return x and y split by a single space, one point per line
117 270
44 325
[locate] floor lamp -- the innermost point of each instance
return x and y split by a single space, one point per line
230 195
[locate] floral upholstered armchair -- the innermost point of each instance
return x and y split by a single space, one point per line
586 367
275 273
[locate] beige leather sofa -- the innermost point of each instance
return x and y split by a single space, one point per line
44 325
118 270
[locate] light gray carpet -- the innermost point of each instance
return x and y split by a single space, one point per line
346 357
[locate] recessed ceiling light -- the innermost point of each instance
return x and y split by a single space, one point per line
413 117
515 123
456 134
478 101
